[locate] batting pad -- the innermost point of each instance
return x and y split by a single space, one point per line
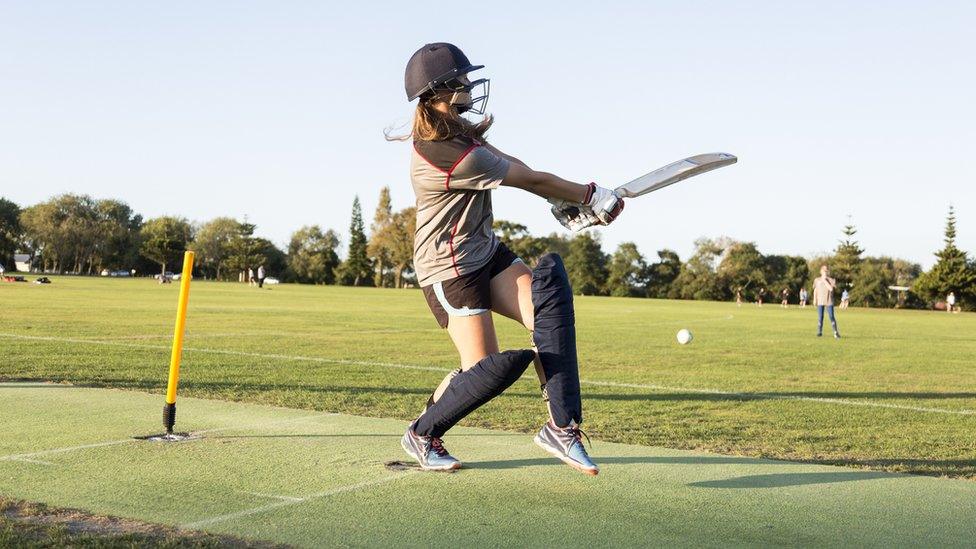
472 388
555 338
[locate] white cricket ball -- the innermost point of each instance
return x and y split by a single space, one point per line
684 336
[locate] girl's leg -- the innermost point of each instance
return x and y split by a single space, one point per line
511 296
474 338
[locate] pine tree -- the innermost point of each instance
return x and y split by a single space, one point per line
378 248
356 269
847 257
953 272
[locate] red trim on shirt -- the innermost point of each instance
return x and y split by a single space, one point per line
447 181
421 155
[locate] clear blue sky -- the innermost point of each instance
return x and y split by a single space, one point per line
276 110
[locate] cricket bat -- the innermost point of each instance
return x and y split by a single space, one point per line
674 172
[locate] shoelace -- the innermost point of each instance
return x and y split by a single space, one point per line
437 446
576 432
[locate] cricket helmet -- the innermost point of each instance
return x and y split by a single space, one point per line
443 67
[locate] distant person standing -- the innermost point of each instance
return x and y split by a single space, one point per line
250 276
845 299
760 295
1 270
785 295
803 297
261 276
823 298
738 297
950 299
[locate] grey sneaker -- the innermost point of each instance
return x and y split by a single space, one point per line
428 451
567 445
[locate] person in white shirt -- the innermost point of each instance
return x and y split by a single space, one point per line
950 299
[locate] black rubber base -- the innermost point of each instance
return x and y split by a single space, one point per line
169 417
168 437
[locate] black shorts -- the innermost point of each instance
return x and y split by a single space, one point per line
469 294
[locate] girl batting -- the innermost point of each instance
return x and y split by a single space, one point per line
466 273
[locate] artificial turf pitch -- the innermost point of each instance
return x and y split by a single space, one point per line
320 479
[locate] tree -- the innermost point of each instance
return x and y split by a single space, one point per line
213 244
627 273
164 239
698 278
870 286
77 233
741 267
10 232
953 272
356 269
312 256
379 246
275 261
847 257
661 275
785 271
586 265
244 250
516 236
402 229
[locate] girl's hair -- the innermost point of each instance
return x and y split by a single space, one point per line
430 124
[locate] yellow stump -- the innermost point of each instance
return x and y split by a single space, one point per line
169 410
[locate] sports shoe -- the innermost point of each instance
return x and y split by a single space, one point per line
836 334
428 451
567 445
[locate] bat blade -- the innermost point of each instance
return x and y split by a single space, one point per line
674 172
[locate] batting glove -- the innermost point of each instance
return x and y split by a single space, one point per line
604 204
573 215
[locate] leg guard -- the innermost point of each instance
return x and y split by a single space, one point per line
555 338
472 388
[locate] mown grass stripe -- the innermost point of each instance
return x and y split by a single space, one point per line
646 386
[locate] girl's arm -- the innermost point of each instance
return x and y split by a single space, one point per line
544 184
508 157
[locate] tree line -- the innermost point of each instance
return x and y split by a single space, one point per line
82 235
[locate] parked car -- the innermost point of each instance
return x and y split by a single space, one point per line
271 280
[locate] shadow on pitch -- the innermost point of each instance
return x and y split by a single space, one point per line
354 435
782 480
624 460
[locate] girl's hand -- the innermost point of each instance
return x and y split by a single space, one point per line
573 215
604 203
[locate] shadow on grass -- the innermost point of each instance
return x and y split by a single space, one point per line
629 395
781 480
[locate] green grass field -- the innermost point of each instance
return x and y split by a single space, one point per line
897 394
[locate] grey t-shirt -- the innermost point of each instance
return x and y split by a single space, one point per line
823 292
453 180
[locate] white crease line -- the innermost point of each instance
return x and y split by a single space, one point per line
34 461
752 396
54 451
273 496
285 503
